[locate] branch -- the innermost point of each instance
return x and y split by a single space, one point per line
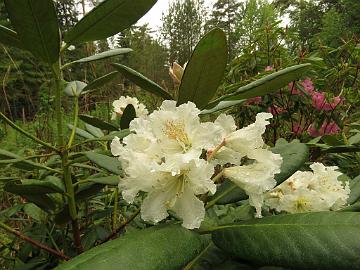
122 226
33 242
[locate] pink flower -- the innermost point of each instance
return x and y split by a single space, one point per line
308 86
254 100
318 100
269 68
313 132
293 89
330 128
275 110
297 129
320 103
326 129
331 106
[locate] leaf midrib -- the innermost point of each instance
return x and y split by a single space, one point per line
96 21
282 225
39 31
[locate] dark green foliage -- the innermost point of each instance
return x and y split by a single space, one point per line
205 70
325 240
156 245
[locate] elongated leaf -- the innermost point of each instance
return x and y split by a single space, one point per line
44 201
128 115
205 69
9 37
32 187
142 81
81 132
107 19
88 191
325 240
157 246
37 27
103 55
294 155
108 163
354 190
74 88
94 131
265 85
228 192
96 122
120 134
222 105
107 180
99 82
19 162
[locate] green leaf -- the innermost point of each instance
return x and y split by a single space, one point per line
74 88
107 19
324 240
112 180
205 69
354 190
128 115
266 85
19 162
355 139
34 212
37 27
120 134
294 155
222 105
96 122
82 133
142 81
44 201
32 187
102 55
110 164
157 246
9 37
87 191
97 132
100 82
228 192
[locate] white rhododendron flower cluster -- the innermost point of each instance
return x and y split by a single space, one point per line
171 156
307 191
120 105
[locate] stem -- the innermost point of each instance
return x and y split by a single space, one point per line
25 133
33 242
73 131
58 76
122 225
218 177
116 202
212 153
214 201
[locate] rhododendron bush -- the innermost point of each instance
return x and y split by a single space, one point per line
188 182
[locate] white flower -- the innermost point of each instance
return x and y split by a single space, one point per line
176 189
120 105
319 190
176 130
171 185
254 166
256 178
